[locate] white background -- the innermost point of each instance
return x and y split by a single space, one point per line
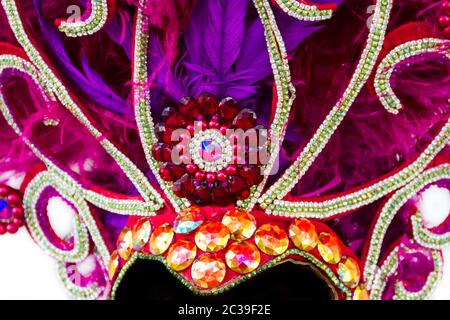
26 272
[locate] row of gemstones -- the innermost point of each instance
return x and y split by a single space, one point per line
366 63
304 11
94 22
329 208
285 93
397 55
427 238
142 107
241 256
54 84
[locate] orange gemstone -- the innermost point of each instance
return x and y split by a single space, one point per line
113 264
181 254
303 234
208 272
360 294
161 239
141 233
272 240
125 243
243 257
349 273
241 224
212 237
329 248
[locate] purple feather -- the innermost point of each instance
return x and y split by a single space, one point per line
91 84
119 30
225 51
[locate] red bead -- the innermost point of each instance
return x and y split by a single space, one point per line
165 173
203 194
176 120
17 222
183 186
211 177
445 7
213 124
189 108
166 153
223 130
231 170
237 185
246 119
228 109
11 228
208 104
199 175
157 151
245 194
191 129
191 168
222 176
17 212
444 21
447 32
2 229
13 198
3 191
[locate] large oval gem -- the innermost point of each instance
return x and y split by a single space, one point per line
161 239
181 254
241 224
360 293
113 264
272 240
141 233
243 257
208 272
349 273
188 220
212 237
125 243
303 234
329 248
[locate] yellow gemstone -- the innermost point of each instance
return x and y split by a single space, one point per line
329 248
113 264
212 237
161 239
125 243
141 233
243 257
208 272
360 294
272 240
181 254
241 224
303 234
349 273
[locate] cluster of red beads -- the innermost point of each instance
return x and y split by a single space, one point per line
444 18
14 206
188 181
